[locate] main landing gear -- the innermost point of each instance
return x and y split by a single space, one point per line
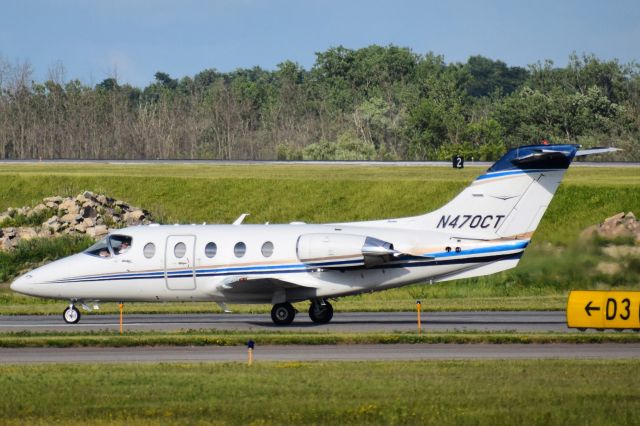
71 315
283 313
320 312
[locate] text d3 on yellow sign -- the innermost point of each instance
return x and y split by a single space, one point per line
603 309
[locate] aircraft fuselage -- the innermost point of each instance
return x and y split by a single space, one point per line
227 275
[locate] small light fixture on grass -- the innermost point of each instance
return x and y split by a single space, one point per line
250 346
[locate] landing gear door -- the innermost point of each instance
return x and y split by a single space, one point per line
179 258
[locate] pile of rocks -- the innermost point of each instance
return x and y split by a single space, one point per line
619 226
88 213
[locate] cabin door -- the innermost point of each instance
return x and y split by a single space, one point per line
179 258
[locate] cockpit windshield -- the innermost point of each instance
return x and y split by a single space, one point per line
100 249
119 244
113 245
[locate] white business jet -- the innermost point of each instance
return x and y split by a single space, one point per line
483 230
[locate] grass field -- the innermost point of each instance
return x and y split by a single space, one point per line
212 337
315 194
549 392
556 262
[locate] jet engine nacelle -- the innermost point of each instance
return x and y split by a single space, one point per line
343 250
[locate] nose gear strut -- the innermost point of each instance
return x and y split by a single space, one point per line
71 315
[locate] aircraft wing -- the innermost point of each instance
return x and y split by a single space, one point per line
240 283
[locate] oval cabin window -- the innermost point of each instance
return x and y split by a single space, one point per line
240 249
210 250
179 250
149 250
267 249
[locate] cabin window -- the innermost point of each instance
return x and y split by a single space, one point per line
240 249
267 249
210 250
179 250
99 249
149 250
120 244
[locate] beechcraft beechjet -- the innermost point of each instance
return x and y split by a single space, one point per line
483 230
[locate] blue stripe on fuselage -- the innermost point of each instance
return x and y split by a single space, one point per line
299 267
512 172
480 250
414 264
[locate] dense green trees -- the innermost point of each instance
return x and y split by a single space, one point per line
371 103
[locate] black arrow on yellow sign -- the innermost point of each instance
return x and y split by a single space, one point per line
590 308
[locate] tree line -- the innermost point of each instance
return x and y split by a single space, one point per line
378 102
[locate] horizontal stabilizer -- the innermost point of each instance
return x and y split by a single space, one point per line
539 156
542 157
597 150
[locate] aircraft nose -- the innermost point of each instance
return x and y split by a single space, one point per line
21 284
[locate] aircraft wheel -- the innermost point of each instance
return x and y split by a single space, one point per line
321 314
283 313
71 315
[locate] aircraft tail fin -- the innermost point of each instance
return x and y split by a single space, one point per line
509 200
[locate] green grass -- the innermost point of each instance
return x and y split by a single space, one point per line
35 219
315 194
238 338
38 251
556 392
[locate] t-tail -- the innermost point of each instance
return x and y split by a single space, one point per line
498 213
509 200
490 223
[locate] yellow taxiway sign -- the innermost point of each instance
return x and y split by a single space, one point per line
603 309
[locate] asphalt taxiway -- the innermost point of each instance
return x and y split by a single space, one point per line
379 352
517 321
527 321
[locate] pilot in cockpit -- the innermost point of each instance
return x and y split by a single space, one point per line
124 247
113 245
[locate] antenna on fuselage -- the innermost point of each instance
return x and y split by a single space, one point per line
240 219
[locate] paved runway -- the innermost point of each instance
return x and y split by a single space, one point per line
526 321
321 353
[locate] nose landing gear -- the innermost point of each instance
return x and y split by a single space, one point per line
71 315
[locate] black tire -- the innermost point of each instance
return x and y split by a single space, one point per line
321 314
283 313
71 315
